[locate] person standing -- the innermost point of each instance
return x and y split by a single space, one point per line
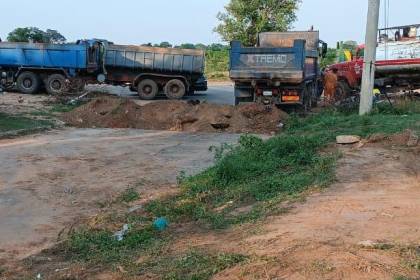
330 86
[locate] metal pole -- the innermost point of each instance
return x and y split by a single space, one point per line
368 78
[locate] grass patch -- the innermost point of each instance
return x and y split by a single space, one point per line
99 246
256 175
17 124
129 195
247 182
57 108
411 257
193 265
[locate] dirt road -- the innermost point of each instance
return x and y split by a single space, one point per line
49 181
365 226
217 93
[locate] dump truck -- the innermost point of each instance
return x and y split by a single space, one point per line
397 65
151 71
282 70
29 67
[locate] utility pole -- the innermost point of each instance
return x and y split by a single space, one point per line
368 78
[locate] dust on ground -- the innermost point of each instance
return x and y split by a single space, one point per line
365 226
176 116
50 182
16 103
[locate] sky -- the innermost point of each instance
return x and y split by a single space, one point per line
179 21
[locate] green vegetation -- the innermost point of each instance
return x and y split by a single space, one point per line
329 59
18 125
248 179
129 195
100 246
244 19
247 183
255 175
193 265
217 64
36 35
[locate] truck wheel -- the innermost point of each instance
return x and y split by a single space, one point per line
343 91
56 84
175 89
28 83
147 89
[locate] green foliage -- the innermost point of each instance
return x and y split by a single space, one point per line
217 64
163 45
36 35
255 175
129 195
244 19
329 59
186 46
193 265
17 123
102 247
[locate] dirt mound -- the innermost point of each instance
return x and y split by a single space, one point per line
108 112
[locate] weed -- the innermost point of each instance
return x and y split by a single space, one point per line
99 246
64 107
181 177
193 265
263 173
411 257
254 172
129 195
19 124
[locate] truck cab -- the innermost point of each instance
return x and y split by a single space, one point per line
397 65
29 67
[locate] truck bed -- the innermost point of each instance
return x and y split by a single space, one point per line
280 64
155 59
43 55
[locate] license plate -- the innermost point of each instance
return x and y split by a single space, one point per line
268 93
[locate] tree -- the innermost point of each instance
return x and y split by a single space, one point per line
330 58
217 47
54 37
187 46
244 19
36 35
163 45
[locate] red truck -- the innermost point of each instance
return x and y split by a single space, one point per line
397 66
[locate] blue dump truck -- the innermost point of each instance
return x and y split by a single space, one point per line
283 69
60 67
29 67
152 71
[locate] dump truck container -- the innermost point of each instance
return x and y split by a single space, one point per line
283 69
150 70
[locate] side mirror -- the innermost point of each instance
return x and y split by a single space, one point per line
324 49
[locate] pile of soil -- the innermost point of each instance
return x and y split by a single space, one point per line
110 112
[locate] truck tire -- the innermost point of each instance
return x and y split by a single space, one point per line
28 83
343 91
147 89
307 99
175 89
56 84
